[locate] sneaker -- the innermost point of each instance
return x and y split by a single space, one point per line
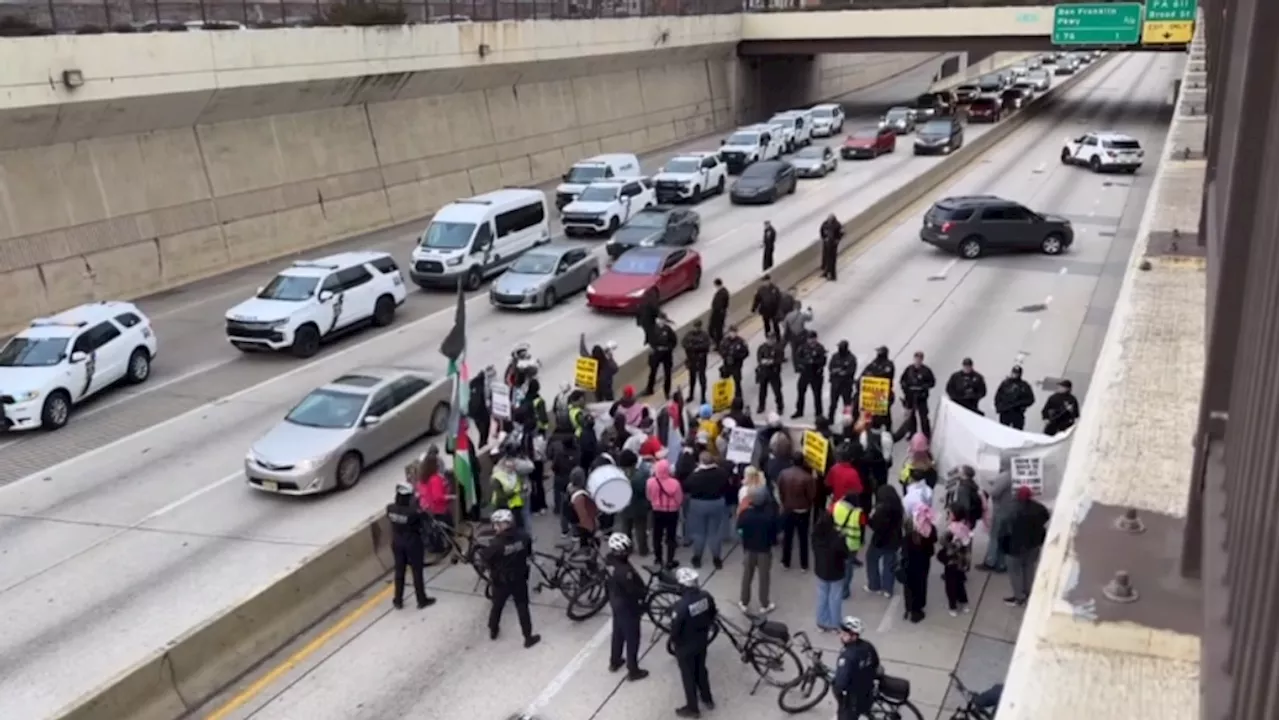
717 563
953 613
397 604
964 609
688 712
711 704
532 640
493 633
696 563
744 607
426 603
1012 601
887 594
868 589
768 608
615 666
637 674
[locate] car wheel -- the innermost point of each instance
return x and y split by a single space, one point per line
384 311
613 224
473 279
549 300
56 410
1095 164
794 185
720 186
697 279
439 419
1052 244
306 342
1065 157
697 192
347 475
139 367
1132 170
693 236
970 248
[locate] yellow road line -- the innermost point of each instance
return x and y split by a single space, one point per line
299 656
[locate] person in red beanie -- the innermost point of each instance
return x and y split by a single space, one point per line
843 479
628 406
1021 541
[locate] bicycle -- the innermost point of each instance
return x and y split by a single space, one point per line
972 709
763 645
458 545
662 592
892 699
578 574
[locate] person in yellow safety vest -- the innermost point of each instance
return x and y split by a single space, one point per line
709 425
509 486
849 520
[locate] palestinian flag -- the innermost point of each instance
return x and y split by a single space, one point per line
454 348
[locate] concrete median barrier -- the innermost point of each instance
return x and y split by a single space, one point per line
205 661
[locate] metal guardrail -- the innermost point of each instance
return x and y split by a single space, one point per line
43 17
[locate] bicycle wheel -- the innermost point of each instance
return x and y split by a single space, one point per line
804 695
887 711
659 610
588 601
776 663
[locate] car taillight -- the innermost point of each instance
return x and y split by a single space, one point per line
946 226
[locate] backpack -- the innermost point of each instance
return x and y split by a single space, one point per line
563 422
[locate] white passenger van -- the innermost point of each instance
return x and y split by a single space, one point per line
479 237
601 168
828 119
750 144
799 127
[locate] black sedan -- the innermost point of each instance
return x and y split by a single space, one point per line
763 183
656 226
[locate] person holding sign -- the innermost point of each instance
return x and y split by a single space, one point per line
606 366
882 367
733 353
697 346
967 387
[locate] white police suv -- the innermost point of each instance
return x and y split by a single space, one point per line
1103 151
58 362
603 207
691 177
314 300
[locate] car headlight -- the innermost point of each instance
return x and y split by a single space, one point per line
591 289
635 294
454 261
26 396
648 243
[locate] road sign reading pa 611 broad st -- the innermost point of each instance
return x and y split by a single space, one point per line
1169 22
1097 24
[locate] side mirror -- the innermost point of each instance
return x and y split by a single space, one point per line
260 289
78 356
370 420
564 177
325 295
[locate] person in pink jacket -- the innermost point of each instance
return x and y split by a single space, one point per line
665 497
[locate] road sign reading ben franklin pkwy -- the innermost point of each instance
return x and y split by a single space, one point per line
1097 24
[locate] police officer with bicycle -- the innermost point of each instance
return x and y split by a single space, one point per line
857 672
507 557
626 598
692 619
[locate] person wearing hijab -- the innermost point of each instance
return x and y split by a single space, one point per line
954 554
917 559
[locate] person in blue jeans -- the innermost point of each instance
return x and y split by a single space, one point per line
830 553
705 488
885 524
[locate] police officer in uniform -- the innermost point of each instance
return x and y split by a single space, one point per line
662 347
832 232
766 302
507 558
692 618
843 369
811 362
857 671
1013 397
882 367
719 311
769 358
626 596
770 239
916 381
733 353
1061 410
967 387
697 345
407 525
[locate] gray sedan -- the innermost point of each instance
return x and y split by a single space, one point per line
545 276
815 161
327 440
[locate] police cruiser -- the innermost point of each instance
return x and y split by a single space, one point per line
691 177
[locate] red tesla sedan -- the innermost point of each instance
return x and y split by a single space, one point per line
670 270
869 142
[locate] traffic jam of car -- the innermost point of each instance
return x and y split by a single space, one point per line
623 237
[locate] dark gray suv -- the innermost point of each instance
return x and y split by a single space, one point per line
975 225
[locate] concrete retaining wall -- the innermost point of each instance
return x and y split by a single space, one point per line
133 214
198 665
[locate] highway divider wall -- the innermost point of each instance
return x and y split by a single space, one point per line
205 661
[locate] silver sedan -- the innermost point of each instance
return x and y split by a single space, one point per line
543 277
327 440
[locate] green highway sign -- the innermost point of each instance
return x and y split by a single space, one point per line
1171 10
1098 24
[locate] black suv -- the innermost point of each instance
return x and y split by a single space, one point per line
942 135
656 226
935 104
972 226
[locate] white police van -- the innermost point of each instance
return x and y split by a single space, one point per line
313 300
798 128
476 238
60 361
600 168
751 144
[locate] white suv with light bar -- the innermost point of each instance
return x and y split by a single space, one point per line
604 207
314 300
691 177
60 361
1104 151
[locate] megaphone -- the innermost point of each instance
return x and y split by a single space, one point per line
609 488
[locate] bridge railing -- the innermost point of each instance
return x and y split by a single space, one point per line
43 17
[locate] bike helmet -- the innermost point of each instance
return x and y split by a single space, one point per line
404 488
502 516
687 577
851 624
619 543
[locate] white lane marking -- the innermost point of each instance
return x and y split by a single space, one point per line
942 274
886 623
1035 325
1048 300
566 674
149 388
1039 169
204 300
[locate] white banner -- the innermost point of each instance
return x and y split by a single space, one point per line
500 400
742 446
961 437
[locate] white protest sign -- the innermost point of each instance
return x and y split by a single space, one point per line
500 400
742 446
1029 472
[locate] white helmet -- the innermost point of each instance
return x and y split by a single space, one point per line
404 488
688 577
502 516
619 543
851 624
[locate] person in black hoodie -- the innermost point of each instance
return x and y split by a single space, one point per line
719 312
1061 410
706 489
1021 540
697 346
967 387
478 407
606 366
563 460
886 539
830 554
917 559
649 313
1013 396
765 302
626 596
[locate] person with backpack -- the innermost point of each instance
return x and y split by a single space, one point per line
886 524
634 518
965 497
581 508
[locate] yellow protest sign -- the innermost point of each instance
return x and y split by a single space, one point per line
586 372
1167 32
722 394
873 395
814 448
